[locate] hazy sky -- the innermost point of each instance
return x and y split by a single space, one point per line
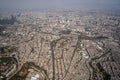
74 4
